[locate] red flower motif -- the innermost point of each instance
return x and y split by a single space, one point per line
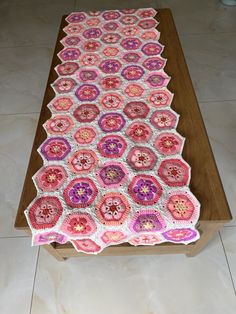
86 112
111 82
174 172
139 132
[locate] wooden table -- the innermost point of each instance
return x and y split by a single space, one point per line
205 183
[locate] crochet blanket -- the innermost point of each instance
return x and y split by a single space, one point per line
112 167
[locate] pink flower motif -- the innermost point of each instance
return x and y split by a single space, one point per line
91 46
134 90
110 38
78 224
113 237
50 178
141 158
83 161
174 172
184 235
64 85
86 246
55 148
169 143
128 11
111 15
131 57
59 125
129 30
49 237
145 239
87 75
111 122
151 49
87 92
93 21
89 59
94 13
69 41
129 19
112 209
111 101
111 82
85 135
144 13
180 206
139 132
73 29
163 119
45 212
160 98
62 103
67 68
150 35
148 23
69 54
110 51
136 109
86 112
110 26
132 72
158 80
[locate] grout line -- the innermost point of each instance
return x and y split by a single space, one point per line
227 261
19 113
35 273
27 46
14 237
203 33
221 100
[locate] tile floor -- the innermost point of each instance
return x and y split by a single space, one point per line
141 285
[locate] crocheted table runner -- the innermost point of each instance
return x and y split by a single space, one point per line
113 170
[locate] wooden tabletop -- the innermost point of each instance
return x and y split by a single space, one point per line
205 182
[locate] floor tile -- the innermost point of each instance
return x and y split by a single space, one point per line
228 235
16 138
220 119
87 5
190 16
212 64
31 22
140 284
23 77
17 264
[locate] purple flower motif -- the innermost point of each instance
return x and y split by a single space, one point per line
145 189
131 43
131 57
80 192
156 80
92 33
147 223
72 40
69 54
111 26
76 17
154 63
110 66
111 174
112 146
